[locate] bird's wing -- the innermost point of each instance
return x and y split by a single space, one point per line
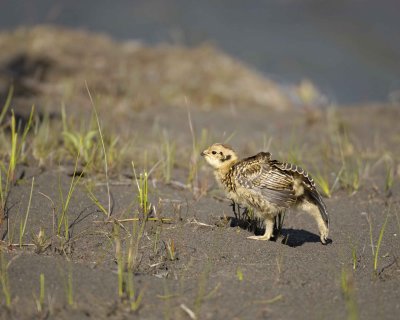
309 184
295 169
260 174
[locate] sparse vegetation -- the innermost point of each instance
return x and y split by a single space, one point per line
170 245
120 259
62 216
379 242
16 150
350 175
103 147
295 152
323 183
159 229
197 146
143 190
239 274
135 298
371 240
14 154
97 152
130 228
44 144
127 264
41 241
168 150
128 259
80 143
354 257
23 225
375 250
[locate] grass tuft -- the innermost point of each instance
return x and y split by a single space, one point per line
143 190
354 257
103 149
15 154
378 245
239 274
197 146
135 298
323 183
62 217
41 241
44 143
126 264
170 245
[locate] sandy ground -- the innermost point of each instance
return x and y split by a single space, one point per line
214 271
217 273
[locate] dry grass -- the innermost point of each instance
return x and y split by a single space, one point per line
144 76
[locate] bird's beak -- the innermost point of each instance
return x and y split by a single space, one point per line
203 153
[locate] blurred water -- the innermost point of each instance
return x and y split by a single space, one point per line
350 49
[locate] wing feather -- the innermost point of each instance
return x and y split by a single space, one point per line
259 174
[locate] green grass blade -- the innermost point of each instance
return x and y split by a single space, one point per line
103 147
378 245
13 154
65 205
41 294
22 231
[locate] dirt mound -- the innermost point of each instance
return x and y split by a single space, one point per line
49 65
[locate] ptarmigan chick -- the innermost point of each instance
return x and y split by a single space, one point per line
268 186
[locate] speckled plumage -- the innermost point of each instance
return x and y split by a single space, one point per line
268 186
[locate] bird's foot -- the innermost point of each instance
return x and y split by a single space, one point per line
324 239
324 235
263 237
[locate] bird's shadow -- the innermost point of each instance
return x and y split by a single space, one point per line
287 236
290 237
298 237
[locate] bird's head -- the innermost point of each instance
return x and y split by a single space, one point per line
219 155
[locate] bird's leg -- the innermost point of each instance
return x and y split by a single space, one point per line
245 214
245 211
240 212
233 205
279 224
313 210
236 210
269 228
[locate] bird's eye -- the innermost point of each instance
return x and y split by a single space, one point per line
213 152
221 153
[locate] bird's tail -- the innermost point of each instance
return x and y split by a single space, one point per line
316 198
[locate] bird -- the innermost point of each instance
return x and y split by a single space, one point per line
268 186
